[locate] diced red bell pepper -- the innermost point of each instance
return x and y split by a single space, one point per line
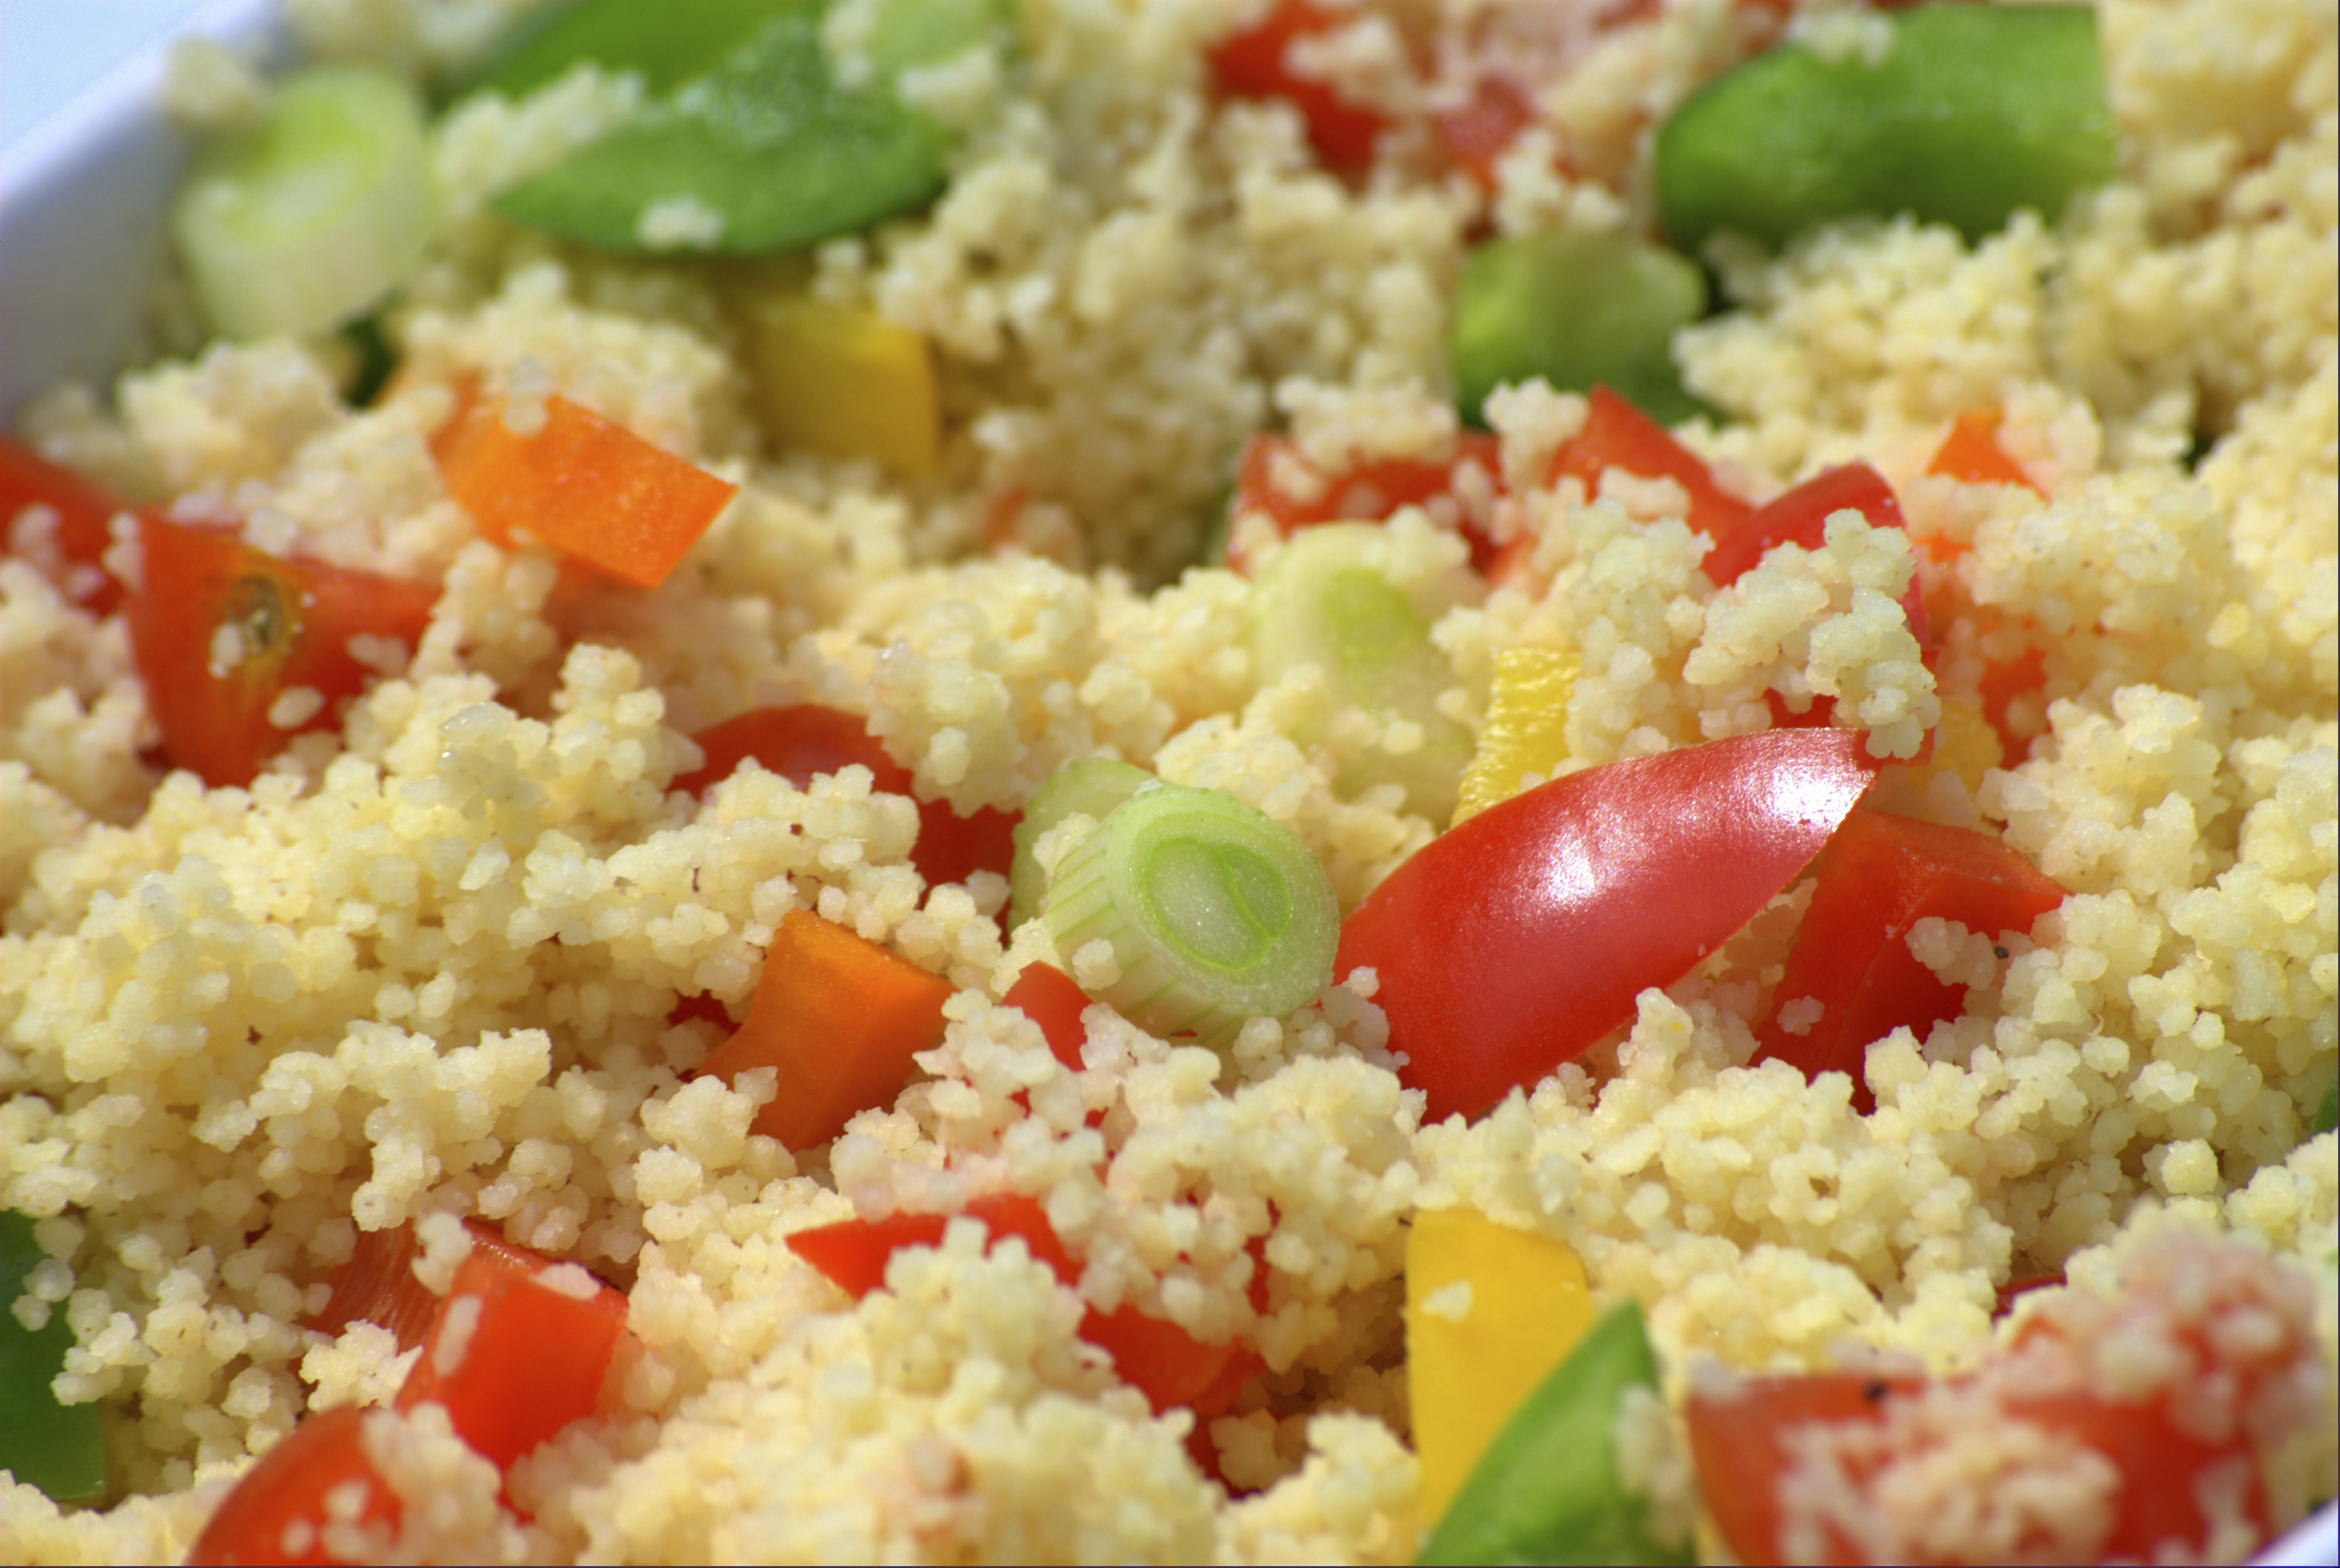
1880 876
85 519
277 1511
1738 1442
1050 999
1801 517
1252 62
515 1359
801 741
1368 492
2002 684
1481 130
377 1284
1169 1365
841 1018
291 622
2013 1288
1617 435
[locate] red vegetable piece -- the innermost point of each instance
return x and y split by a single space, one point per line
1882 874
1369 492
84 518
2000 685
276 1514
1737 1439
293 621
1801 517
1050 999
799 742
1252 62
1514 942
377 1284
1970 452
1617 435
1480 132
513 1358
2013 1288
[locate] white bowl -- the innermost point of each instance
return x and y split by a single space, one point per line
81 240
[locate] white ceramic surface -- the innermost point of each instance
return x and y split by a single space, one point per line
81 236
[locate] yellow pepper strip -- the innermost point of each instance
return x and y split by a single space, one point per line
841 379
1489 1312
1527 711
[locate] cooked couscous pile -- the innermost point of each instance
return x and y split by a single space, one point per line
452 957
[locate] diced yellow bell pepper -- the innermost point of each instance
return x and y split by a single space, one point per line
1527 713
1489 1312
840 379
1964 744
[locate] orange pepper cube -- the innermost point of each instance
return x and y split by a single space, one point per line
840 1018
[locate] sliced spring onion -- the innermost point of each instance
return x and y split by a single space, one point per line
310 218
1092 786
1549 1489
1326 600
1214 913
58 1448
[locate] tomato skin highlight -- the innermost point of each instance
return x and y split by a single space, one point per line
287 1488
1251 63
807 738
85 526
295 619
1881 875
1517 938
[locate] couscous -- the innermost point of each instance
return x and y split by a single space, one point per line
1265 780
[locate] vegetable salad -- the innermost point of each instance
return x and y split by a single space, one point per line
1103 779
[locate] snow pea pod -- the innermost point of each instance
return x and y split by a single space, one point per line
55 1447
1972 113
1549 1488
1579 311
768 151
667 45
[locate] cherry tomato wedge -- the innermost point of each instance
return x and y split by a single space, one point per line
1508 945
1617 435
83 528
1739 1437
1801 517
1049 998
1368 492
1254 63
221 631
1883 873
276 1514
799 742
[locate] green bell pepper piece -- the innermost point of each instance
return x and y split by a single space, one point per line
1975 111
1547 1489
58 1448
1578 310
667 45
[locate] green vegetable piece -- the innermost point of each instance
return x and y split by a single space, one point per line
309 219
1324 599
2327 1115
667 45
1577 309
1092 786
58 1448
1973 112
1215 913
1547 1489
907 33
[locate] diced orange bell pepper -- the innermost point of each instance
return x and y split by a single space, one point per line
1971 453
841 1018
591 489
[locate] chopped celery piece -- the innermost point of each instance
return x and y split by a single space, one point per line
1577 309
1326 600
1549 1489
310 218
1214 913
768 151
1975 111
667 45
1092 786
58 1448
